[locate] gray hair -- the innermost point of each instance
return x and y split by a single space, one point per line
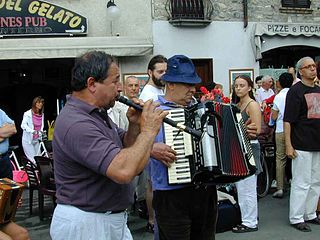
131 76
300 63
266 78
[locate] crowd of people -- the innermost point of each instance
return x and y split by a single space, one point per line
295 111
108 155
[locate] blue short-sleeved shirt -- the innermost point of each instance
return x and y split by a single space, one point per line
4 119
158 171
84 145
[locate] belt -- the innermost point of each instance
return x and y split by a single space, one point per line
3 154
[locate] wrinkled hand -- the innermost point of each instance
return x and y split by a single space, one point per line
251 129
163 153
290 152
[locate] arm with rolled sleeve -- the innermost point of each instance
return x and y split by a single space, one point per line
7 126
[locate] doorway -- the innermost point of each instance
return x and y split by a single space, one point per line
284 57
23 80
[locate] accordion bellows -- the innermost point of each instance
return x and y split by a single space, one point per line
10 193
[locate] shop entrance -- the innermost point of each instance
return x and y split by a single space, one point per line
283 57
22 80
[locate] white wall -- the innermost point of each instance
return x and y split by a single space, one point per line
227 43
134 64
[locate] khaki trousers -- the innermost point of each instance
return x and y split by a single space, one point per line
281 160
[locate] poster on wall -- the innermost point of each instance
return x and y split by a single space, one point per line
233 73
36 18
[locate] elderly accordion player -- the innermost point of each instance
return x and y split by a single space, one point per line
222 155
10 193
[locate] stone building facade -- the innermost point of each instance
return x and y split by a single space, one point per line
247 35
258 11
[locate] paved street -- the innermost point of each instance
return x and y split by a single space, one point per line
273 223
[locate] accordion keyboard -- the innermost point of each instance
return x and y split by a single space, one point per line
181 142
246 140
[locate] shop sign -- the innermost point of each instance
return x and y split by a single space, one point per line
25 17
284 29
281 29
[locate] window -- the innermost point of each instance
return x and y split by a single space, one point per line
187 9
296 3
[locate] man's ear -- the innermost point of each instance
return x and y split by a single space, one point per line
170 85
91 84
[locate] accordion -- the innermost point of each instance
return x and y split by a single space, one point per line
10 193
222 155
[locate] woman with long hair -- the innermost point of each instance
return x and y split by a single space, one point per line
32 124
247 188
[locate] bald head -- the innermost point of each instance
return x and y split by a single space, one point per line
131 87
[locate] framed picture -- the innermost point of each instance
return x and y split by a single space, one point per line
143 78
233 73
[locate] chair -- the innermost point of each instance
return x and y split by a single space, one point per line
46 183
40 179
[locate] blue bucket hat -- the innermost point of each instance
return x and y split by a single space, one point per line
181 70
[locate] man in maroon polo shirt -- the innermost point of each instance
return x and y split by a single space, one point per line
93 157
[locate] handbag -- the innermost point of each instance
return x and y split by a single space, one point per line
50 129
19 176
229 216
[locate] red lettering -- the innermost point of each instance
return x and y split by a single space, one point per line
43 22
19 22
35 21
10 21
27 21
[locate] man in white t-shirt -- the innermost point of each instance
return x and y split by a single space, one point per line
265 90
285 81
156 68
154 87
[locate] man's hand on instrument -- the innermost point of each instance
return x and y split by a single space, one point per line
133 115
152 117
163 153
251 129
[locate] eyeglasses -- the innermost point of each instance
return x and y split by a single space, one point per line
309 66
